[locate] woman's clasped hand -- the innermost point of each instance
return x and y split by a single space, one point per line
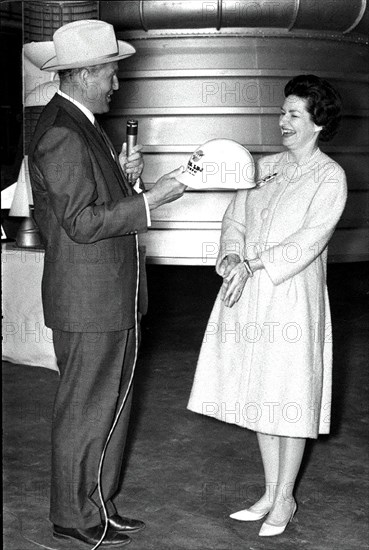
234 280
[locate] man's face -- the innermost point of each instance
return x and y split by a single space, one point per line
100 86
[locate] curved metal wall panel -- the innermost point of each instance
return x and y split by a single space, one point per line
217 68
362 26
185 90
329 15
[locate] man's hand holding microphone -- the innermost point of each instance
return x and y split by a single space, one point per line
166 189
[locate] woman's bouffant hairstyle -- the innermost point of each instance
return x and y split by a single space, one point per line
323 102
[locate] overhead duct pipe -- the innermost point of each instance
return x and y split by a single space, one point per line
339 16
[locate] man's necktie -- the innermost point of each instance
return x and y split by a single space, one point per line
106 140
113 153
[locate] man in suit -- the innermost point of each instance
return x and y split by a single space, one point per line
89 215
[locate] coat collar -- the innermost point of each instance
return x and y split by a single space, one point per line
85 111
94 137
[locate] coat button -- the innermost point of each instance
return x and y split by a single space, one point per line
264 214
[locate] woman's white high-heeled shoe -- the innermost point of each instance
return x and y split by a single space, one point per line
271 530
249 515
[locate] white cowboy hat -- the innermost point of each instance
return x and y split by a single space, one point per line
219 164
82 44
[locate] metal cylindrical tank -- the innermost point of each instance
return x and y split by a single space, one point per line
215 69
40 21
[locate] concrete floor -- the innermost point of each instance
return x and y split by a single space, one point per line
185 473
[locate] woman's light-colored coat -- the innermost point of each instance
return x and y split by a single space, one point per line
266 363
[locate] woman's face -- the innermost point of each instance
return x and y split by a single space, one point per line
298 129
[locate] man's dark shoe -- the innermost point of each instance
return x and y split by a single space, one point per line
120 523
92 535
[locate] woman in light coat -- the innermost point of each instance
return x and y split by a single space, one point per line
266 359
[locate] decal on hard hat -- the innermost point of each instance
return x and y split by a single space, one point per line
219 164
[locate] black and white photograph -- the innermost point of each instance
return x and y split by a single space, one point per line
185 274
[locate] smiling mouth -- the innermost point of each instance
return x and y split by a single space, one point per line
287 133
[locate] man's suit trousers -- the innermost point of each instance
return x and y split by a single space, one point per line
95 369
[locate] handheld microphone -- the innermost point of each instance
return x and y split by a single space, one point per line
132 127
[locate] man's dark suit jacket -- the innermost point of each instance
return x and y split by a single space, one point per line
87 214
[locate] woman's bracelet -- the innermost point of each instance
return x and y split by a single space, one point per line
246 263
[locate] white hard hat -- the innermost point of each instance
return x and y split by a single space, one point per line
219 164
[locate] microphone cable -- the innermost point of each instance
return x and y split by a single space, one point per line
99 479
132 127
